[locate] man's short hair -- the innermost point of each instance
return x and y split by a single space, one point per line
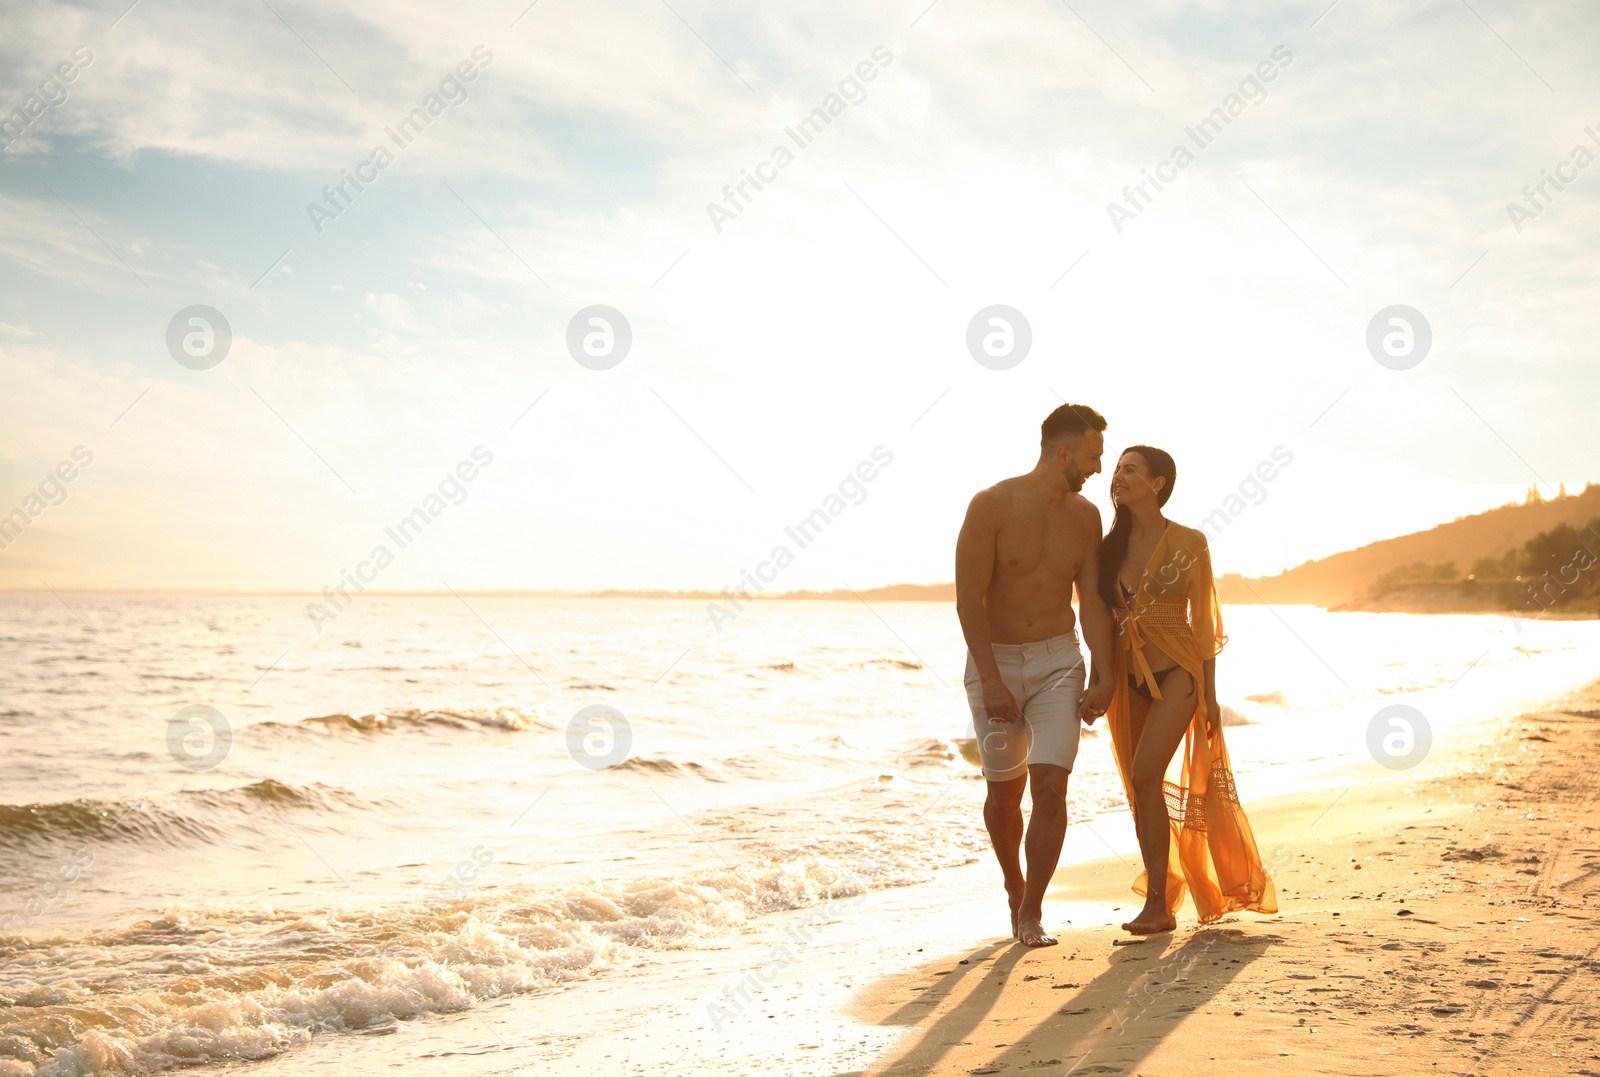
1070 422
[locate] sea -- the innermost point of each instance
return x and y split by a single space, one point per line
231 838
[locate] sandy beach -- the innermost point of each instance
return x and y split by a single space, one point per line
1433 922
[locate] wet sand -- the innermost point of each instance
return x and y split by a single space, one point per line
1442 920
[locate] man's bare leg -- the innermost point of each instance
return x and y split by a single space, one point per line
1002 814
1047 828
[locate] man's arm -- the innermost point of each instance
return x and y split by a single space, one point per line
974 569
1096 621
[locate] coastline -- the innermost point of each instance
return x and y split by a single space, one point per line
1432 922
1443 599
1429 920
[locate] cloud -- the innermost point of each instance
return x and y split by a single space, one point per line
392 311
824 318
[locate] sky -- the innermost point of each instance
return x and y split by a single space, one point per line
357 354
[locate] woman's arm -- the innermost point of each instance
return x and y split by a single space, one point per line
1213 709
1206 616
1205 613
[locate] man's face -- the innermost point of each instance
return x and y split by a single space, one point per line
1080 458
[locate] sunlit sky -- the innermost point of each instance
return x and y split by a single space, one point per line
571 163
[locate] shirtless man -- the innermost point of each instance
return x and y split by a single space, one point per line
1024 544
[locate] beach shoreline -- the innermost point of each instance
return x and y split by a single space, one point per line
1433 922
1410 938
744 941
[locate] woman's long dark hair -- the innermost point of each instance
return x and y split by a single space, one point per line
1114 547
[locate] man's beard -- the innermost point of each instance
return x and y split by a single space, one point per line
1075 481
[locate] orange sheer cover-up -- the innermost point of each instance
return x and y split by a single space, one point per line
1213 852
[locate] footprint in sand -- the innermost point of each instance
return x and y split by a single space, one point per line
1485 853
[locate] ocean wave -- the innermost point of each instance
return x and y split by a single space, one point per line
898 663
835 742
206 986
154 823
511 719
931 751
644 764
24 825
316 796
765 765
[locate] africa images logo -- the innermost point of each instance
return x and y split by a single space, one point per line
1252 91
851 91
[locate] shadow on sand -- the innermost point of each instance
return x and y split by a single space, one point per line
1108 1025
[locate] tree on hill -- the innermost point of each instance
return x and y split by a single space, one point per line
1560 566
1491 545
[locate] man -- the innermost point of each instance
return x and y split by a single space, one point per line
1024 544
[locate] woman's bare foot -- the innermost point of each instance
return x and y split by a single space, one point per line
1152 920
1032 933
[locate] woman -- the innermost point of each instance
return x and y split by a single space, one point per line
1155 575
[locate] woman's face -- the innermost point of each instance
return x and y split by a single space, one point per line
1131 483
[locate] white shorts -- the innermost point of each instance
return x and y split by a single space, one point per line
1045 678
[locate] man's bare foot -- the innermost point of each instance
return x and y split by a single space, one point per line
1032 933
1014 899
1151 922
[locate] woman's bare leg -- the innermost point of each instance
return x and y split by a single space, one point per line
1163 728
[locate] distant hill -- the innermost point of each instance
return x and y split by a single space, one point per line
1428 567
895 592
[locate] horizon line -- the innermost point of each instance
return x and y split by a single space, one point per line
522 592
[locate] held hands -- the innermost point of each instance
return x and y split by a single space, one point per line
1213 717
999 704
1094 700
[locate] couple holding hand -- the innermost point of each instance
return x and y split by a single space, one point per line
1153 625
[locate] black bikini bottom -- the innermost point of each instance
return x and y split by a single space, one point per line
1160 676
